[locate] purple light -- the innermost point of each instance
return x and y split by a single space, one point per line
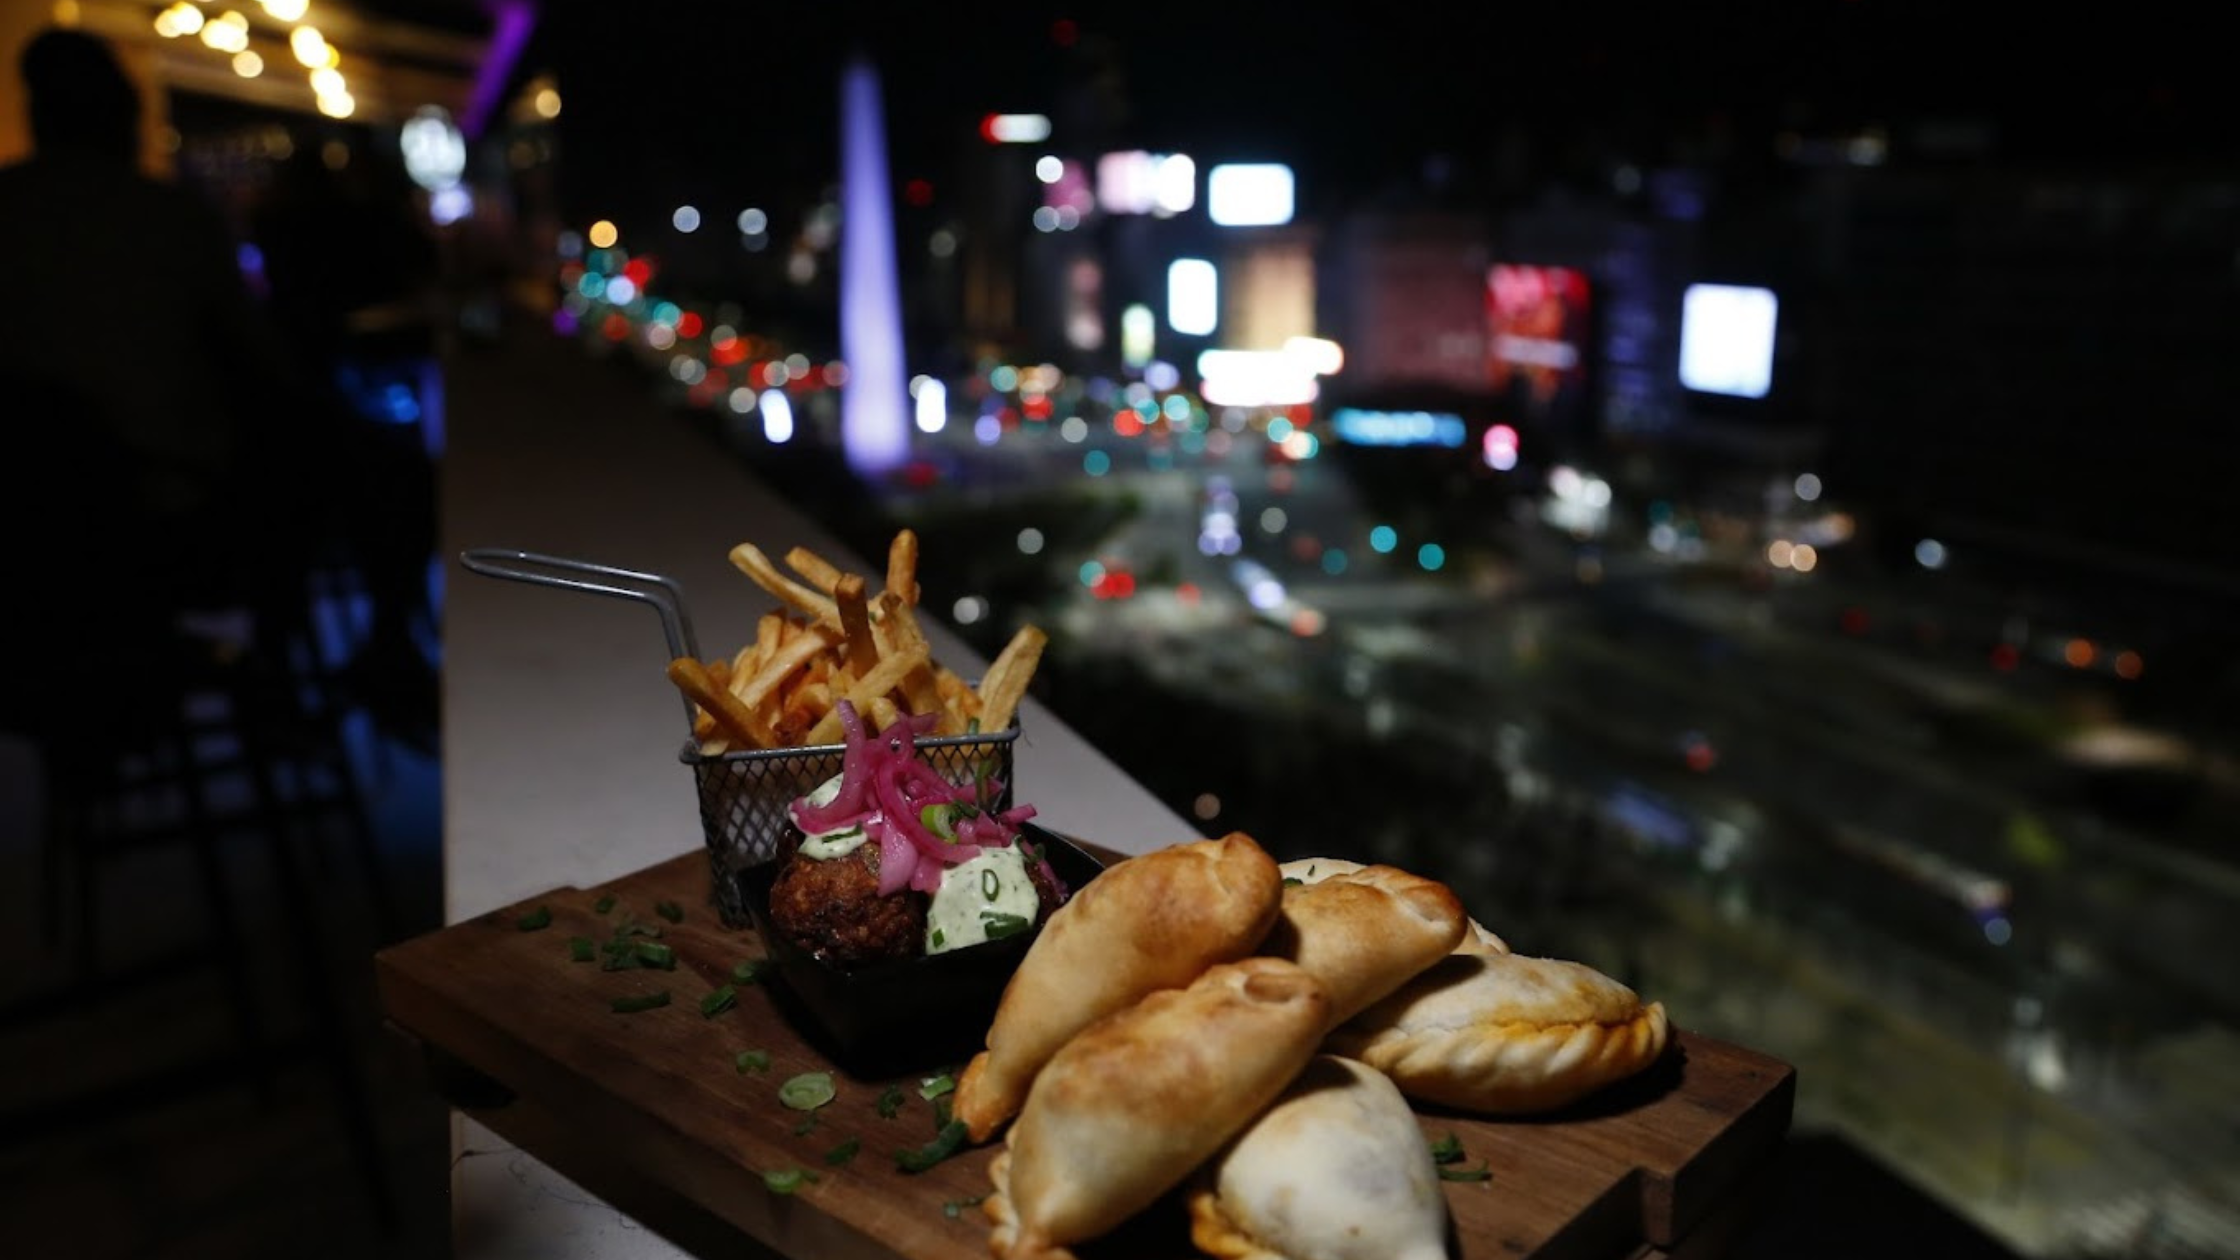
512 20
874 404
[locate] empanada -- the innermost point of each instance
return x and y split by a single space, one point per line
1134 1104
1504 1034
1150 922
1337 1169
1363 932
1479 939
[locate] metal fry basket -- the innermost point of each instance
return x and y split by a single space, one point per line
743 793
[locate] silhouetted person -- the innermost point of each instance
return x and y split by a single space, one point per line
128 292
163 447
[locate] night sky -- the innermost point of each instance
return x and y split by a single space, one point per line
664 94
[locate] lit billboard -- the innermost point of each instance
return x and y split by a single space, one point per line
1536 320
1726 339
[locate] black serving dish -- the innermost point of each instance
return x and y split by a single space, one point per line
891 1018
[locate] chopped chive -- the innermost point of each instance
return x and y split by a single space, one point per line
656 954
940 1148
603 904
935 1086
890 1102
1293 881
750 971
1480 1173
786 1180
620 955
844 1152
940 938
536 919
641 1002
990 886
756 1061
635 928
983 776
808 1091
669 910
938 818
955 1208
580 948
718 1001
1003 925
1447 1150
808 1123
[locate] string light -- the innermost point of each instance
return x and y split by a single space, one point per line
181 18
309 46
228 32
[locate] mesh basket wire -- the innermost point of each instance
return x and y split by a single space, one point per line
744 793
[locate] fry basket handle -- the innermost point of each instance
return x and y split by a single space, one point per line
664 594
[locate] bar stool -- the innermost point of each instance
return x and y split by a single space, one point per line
206 750
162 723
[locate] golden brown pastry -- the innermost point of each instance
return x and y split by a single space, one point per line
1479 939
1150 922
1136 1102
1504 1034
1337 1169
1363 932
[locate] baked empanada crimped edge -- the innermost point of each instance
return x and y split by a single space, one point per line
1511 1069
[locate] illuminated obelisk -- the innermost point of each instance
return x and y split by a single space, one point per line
874 401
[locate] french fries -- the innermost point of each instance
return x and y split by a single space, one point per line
731 717
855 623
831 639
1006 683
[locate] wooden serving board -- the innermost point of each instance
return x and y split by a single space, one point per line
1658 1164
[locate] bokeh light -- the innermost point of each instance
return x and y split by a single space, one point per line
777 416
309 46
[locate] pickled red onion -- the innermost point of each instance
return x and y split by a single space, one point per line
898 861
855 775
884 787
